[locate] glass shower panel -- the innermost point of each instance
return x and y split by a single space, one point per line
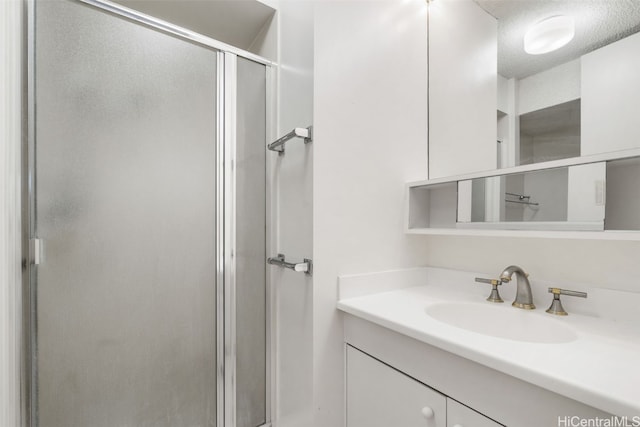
126 209
251 244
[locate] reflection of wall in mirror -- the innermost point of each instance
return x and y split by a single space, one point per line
526 150
477 200
537 203
551 133
550 87
530 96
552 205
607 85
623 195
514 184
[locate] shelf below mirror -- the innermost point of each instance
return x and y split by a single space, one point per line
586 200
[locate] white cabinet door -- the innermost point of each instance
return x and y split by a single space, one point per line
459 415
463 88
380 396
611 98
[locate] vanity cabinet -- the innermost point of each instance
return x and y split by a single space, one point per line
391 377
381 396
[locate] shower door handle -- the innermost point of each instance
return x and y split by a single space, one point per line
35 251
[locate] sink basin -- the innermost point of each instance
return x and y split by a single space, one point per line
502 322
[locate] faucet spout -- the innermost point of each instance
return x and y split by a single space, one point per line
524 297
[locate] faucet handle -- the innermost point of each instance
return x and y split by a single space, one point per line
556 305
494 296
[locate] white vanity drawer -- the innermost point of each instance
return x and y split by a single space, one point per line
380 396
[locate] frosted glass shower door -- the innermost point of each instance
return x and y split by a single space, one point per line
125 205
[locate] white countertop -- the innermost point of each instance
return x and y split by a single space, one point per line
600 368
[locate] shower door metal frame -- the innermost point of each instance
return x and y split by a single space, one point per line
229 73
222 237
271 244
226 61
227 65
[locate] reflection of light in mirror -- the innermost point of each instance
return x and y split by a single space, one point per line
549 34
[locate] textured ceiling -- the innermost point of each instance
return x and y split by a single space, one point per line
598 23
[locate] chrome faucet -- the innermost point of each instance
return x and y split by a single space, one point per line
524 298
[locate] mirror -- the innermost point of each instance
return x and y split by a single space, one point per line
587 197
623 204
493 105
522 200
583 197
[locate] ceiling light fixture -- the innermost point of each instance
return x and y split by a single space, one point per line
549 34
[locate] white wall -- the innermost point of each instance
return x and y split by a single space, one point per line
596 263
550 87
370 118
292 177
10 225
503 99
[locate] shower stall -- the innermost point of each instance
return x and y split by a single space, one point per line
146 293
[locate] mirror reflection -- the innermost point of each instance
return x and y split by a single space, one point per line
623 195
568 78
550 133
572 91
523 200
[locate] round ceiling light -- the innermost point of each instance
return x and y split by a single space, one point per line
549 34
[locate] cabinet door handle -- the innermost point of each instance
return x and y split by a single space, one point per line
458 425
428 413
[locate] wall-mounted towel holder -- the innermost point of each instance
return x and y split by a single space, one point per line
278 145
305 266
521 199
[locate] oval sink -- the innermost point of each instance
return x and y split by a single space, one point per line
502 322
